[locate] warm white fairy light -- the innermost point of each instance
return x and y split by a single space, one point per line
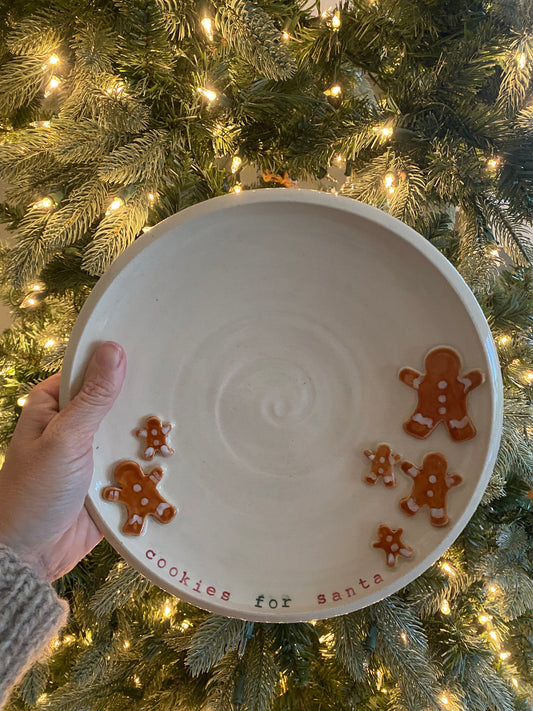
185 625
514 682
492 589
207 25
495 252
54 59
136 681
146 228
335 90
151 197
236 164
54 82
167 610
504 340
493 163
445 607
484 619
45 203
404 637
115 204
493 635
336 22
126 644
22 400
42 698
522 60
237 188
49 343
504 655
444 700
447 568
207 93
40 124
286 36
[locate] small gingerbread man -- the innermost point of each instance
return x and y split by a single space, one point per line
390 540
442 393
431 483
383 461
139 495
155 432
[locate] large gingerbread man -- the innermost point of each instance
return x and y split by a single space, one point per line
431 483
139 495
442 393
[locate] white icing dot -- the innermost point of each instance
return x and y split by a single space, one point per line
137 487
382 459
432 479
388 539
144 501
154 432
442 410
156 442
442 398
380 471
442 385
429 493
394 547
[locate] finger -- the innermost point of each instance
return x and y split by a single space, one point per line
101 385
41 407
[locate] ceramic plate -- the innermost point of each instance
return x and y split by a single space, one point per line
269 329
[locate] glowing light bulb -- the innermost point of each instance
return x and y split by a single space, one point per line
495 252
493 163
49 343
42 698
336 22
126 645
404 637
146 229
54 59
44 203
54 82
116 203
207 24
22 400
445 607
185 625
151 197
504 340
444 700
522 60
335 90
286 36
529 377
136 681
167 610
505 655
484 619
493 635
389 180
209 95
492 588
448 568
514 682
237 188
236 164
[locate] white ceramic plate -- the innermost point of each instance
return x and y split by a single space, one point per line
269 328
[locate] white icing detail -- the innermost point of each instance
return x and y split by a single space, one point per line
154 432
137 487
113 495
145 501
390 558
135 519
432 479
412 505
413 471
417 382
442 385
156 442
371 456
143 433
442 410
459 424
381 459
162 507
166 429
442 398
380 470
372 476
427 421
466 382
437 513
450 482
165 451
149 452
429 493
387 479
388 539
406 553
394 547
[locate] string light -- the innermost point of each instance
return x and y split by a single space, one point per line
42 698
514 682
404 637
493 635
185 625
167 610
207 93
237 188
146 228
126 644
286 36
151 197
385 130
54 59
444 700
484 619
115 204
522 60
447 568
336 22
445 607
136 681
493 163
389 181
504 655
207 25
45 203
54 82
40 124
335 90
49 343
529 377
492 588
236 164
22 400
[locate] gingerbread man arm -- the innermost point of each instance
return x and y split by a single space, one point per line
410 377
472 380
370 454
453 480
409 469
113 493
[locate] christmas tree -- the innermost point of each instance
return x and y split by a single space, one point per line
115 114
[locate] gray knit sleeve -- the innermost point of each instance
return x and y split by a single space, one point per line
30 616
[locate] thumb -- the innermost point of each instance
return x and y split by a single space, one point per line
101 385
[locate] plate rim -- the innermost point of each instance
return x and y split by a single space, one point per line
356 209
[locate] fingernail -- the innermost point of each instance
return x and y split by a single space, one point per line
108 355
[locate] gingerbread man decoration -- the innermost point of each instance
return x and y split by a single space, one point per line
382 463
431 483
390 540
155 432
442 393
139 495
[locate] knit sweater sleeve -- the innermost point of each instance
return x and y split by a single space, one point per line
30 616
